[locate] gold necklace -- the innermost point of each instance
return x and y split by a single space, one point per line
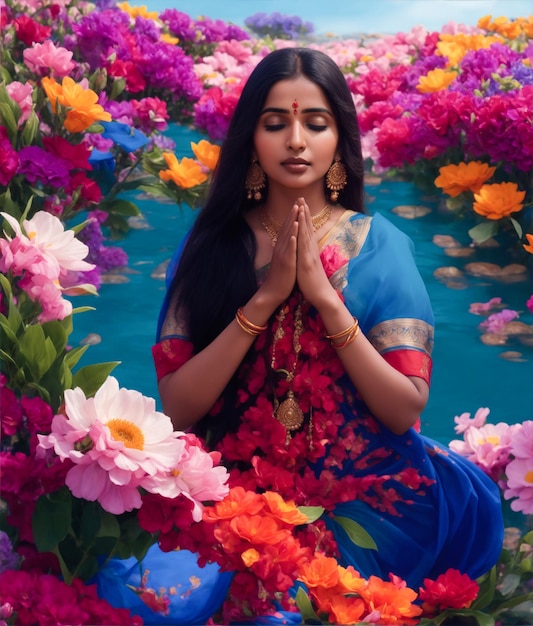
288 412
273 227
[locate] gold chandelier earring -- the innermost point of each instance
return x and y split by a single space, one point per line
255 181
336 179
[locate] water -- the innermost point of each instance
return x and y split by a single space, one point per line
467 374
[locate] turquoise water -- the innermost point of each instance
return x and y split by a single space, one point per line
467 374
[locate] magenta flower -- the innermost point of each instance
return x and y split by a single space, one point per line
9 158
496 322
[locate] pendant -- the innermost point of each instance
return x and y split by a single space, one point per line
289 414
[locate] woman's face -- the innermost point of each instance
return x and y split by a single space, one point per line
296 137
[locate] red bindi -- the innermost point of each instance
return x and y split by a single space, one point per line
295 106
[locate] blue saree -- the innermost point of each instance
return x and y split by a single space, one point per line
426 508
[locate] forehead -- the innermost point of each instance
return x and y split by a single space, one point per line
283 93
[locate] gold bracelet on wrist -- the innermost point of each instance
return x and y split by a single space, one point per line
349 334
246 325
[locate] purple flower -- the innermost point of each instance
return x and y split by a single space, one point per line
41 166
8 558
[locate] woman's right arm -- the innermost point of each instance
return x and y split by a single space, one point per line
188 393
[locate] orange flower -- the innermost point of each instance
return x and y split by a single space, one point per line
81 104
351 580
53 91
185 174
249 557
436 80
287 512
258 529
393 602
498 200
237 502
344 610
454 179
528 247
207 153
321 571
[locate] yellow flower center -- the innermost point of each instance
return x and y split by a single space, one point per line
492 440
529 477
127 432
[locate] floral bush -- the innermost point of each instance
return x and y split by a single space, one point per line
86 94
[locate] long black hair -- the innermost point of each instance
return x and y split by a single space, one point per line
216 272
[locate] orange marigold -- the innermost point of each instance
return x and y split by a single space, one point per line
455 179
528 247
498 200
186 173
82 106
346 610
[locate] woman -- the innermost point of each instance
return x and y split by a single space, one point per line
296 336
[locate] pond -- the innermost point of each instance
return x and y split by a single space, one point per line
467 373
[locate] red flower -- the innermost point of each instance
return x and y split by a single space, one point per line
29 31
451 590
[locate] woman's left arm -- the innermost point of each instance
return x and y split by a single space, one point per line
395 399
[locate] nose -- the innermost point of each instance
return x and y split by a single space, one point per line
296 140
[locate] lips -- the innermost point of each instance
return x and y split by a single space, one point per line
293 161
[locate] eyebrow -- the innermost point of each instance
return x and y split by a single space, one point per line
309 110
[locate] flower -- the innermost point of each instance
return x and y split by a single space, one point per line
436 80
455 179
528 247
207 153
185 173
80 104
451 590
519 471
116 441
498 200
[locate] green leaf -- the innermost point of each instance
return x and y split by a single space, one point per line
57 334
356 533
31 128
73 356
517 227
312 512
8 120
483 231
51 519
122 207
487 587
38 351
91 377
306 608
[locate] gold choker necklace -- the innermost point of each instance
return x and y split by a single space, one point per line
273 227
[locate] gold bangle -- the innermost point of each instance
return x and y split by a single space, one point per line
345 332
351 337
246 325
